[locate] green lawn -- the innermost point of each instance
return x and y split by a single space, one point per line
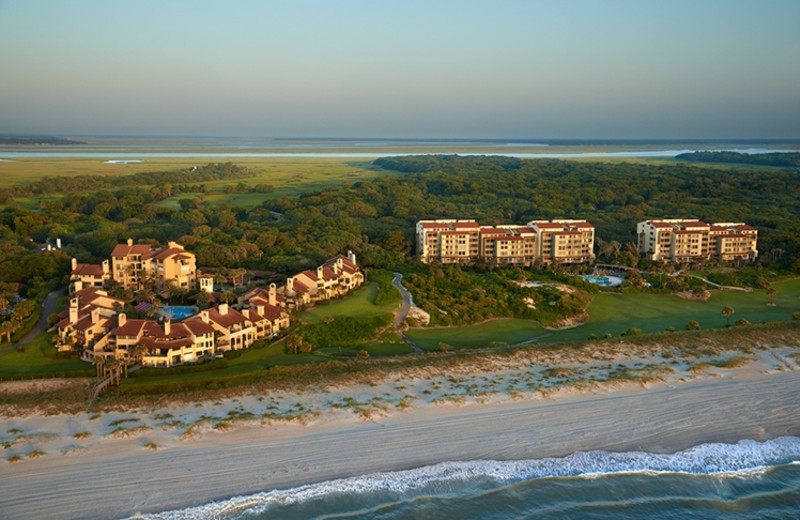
33 363
615 313
477 336
358 304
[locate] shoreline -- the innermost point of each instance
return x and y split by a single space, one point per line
118 477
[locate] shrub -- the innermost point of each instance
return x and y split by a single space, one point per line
692 325
741 321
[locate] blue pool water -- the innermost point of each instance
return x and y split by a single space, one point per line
599 280
177 312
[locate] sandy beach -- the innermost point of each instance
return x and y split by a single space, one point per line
115 464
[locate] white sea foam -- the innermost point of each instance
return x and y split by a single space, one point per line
745 459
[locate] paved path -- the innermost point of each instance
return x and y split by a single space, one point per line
408 301
48 307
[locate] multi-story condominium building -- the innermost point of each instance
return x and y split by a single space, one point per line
335 277
564 241
464 241
686 240
163 345
508 245
89 275
448 241
133 264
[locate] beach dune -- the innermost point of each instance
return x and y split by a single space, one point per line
119 479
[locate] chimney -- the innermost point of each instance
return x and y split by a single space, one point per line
73 310
290 285
95 315
223 309
74 263
273 295
339 265
106 270
167 328
260 310
352 257
58 243
172 244
77 285
204 316
121 319
246 313
319 273
130 241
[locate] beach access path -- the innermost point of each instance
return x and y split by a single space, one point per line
119 478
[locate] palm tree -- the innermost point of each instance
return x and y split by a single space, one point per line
727 311
7 328
228 296
771 292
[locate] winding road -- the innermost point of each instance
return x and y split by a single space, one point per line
48 306
408 301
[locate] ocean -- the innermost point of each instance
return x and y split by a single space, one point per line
746 480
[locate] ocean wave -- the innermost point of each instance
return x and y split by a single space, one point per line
745 459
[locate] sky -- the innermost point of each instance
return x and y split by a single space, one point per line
613 69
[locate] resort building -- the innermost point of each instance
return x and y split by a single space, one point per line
133 265
94 326
335 277
89 275
162 345
687 240
564 241
464 242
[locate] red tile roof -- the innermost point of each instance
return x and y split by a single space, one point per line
88 270
121 250
166 253
465 225
233 317
548 225
198 327
434 225
493 231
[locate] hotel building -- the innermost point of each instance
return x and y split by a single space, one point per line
465 241
687 240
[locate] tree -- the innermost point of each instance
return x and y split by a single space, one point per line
7 328
771 292
23 309
727 311
228 296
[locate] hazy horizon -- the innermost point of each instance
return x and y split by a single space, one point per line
614 70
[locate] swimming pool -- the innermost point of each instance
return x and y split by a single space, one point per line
177 312
607 281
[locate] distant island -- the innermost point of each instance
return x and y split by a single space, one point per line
55 141
780 159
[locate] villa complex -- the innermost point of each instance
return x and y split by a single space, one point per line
465 241
133 264
676 240
94 325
